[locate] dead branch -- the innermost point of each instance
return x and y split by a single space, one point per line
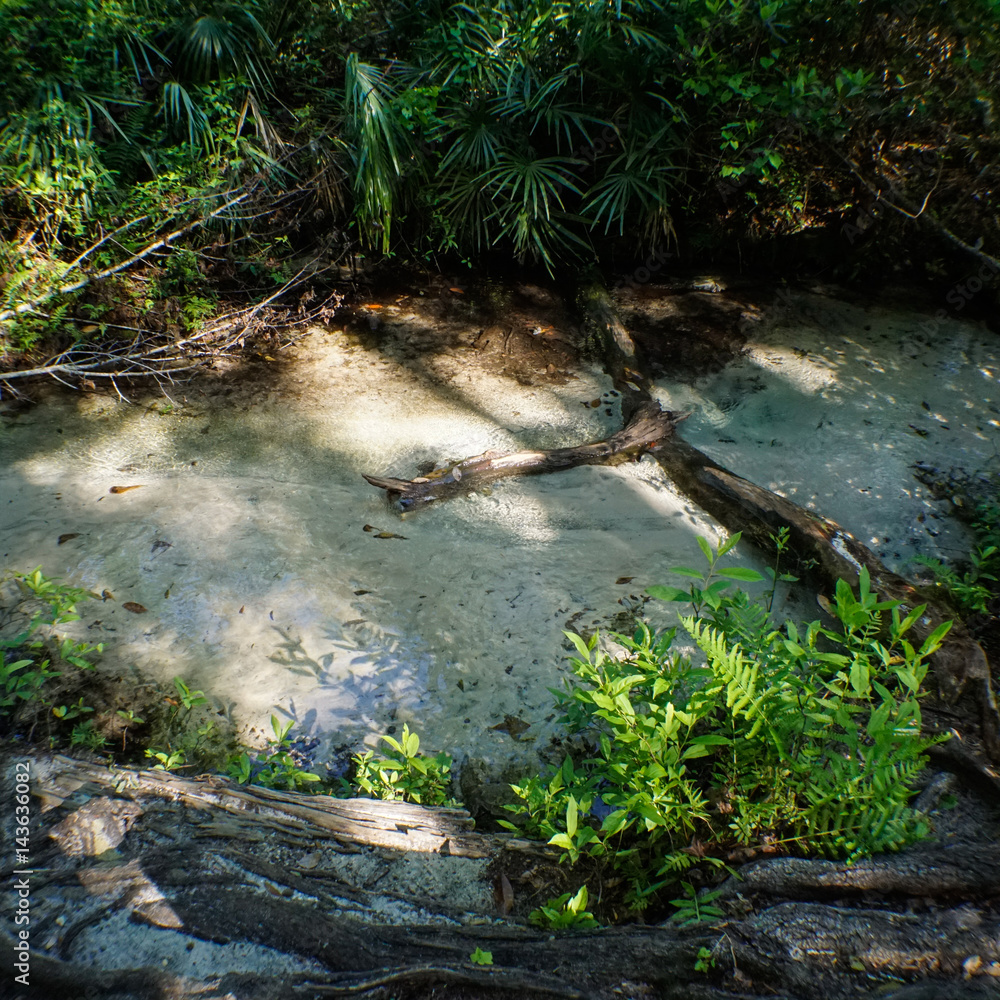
649 425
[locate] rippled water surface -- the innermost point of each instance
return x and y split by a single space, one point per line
246 542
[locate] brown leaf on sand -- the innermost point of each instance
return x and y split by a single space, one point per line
389 534
136 609
67 537
625 579
125 489
512 726
106 595
369 527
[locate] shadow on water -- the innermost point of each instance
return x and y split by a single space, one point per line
272 596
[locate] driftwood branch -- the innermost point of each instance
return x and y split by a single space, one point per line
648 426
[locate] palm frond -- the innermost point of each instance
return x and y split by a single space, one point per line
378 143
178 106
228 39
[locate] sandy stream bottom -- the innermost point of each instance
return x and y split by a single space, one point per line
246 542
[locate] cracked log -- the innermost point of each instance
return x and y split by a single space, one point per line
151 883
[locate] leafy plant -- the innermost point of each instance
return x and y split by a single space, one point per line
167 760
972 589
85 735
705 960
26 659
276 766
795 739
404 774
480 957
565 912
188 699
67 712
694 908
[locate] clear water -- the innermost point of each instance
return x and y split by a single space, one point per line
246 542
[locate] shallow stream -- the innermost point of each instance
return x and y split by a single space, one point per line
254 544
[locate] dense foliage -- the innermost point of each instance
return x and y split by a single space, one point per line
789 739
546 130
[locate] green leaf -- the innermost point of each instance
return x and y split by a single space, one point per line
933 641
664 593
742 573
706 549
480 957
730 543
572 816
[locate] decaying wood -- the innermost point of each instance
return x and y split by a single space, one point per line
161 850
942 873
369 822
647 427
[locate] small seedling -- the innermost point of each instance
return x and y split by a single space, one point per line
565 912
85 735
169 760
404 774
693 909
67 712
480 957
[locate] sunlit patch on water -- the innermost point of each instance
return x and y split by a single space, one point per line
248 544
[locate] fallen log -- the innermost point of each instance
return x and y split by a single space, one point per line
151 881
647 427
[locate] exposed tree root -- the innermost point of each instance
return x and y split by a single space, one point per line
183 875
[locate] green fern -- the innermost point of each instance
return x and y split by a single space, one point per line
804 738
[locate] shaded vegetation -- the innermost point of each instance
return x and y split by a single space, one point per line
544 131
788 740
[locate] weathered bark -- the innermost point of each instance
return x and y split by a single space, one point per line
942 873
648 426
194 861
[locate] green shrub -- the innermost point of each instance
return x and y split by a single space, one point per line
27 659
404 774
565 912
789 739
276 766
